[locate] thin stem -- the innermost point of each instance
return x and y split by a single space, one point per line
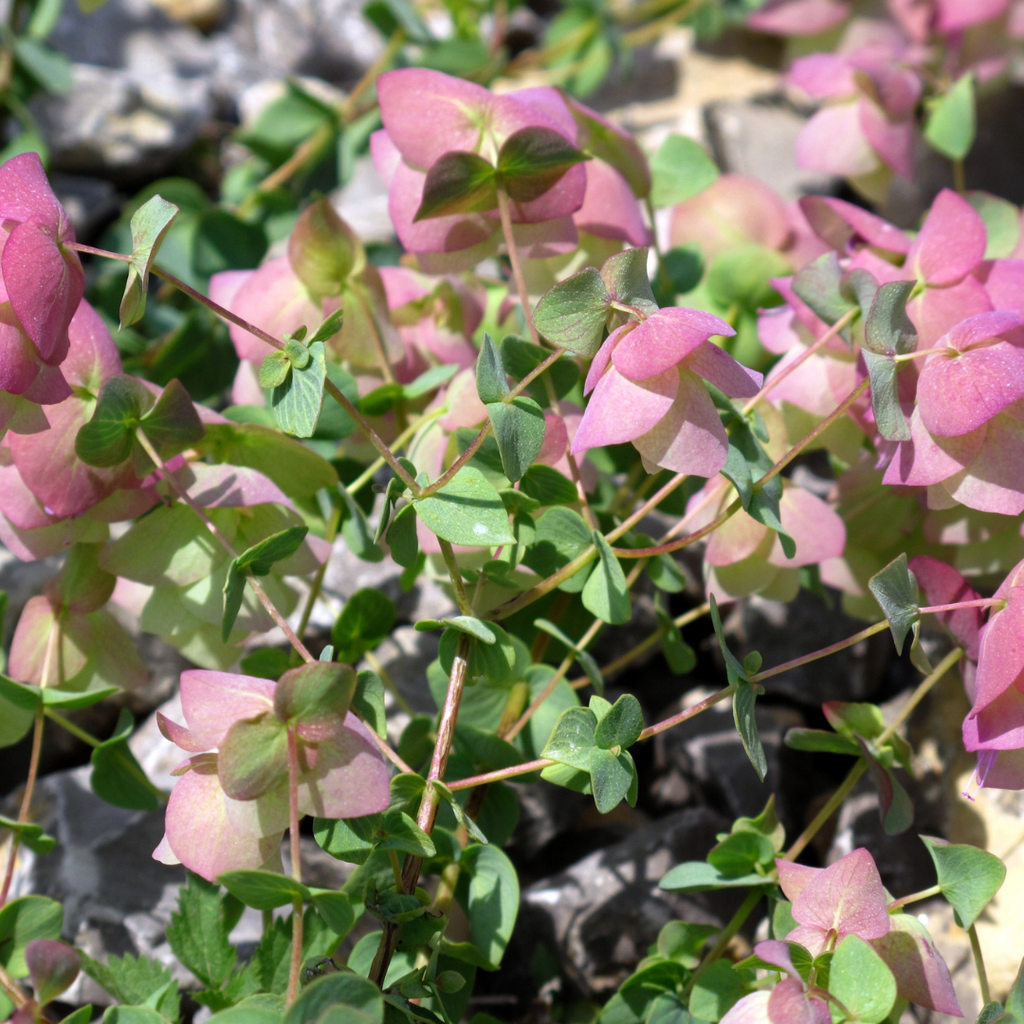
261 594
399 442
428 806
500 774
979 963
69 726
505 212
981 602
834 803
559 675
296 858
330 533
33 765
805 659
726 936
842 322
461 597
914 897
389 683
820 429
960 184
688 713
920 693
12 988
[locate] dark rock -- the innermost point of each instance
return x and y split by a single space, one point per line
703 758
601 914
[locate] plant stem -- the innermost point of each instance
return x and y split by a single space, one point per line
33 765
934 890
12 988
981 602
505 213
68 726
725 936
979 963
461 597
687 713
261 594
835 801
805 659
502 773
296 857
960 184
842 322
428 806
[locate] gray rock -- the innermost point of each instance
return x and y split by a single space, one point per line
90 202
756 137
601 914
703 757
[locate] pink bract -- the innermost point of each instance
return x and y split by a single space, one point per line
208 831
42 277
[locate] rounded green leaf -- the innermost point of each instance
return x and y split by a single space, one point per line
861 981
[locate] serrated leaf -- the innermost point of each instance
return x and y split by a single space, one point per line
458 183
951 127
199 929
572 314
606 593
519 428
895 590
680 169
534 159
967 876
149 225
467 510
298 400
491 382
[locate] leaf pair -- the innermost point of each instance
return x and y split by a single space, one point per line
530 162
574 313
592 742
126 406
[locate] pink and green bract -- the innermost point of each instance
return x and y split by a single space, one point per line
343 775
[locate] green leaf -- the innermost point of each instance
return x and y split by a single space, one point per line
266 662
492 661
967 876
491 382
252 758
681 657
895 590
323 251
818 740
519 428
368 702
199 929
715 992
522 357
625 276
606 594
356 532
458 183
360 999
888 330
950 126
680 169
489 892
401 833
885 401
149 225
547 486
263 890
364 623
467 510
700 876
274 369
573 738
430 380
1015 1000
740 853
622 725
349 839
612 776
172 424
132 1015
107 439
32 835
861 981
683 265
22 920
298 400
819 285
585 658
117 776
742 276
572 314
80 1016
468 624
1002 223
221 241
315 693
992 1013
532 160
